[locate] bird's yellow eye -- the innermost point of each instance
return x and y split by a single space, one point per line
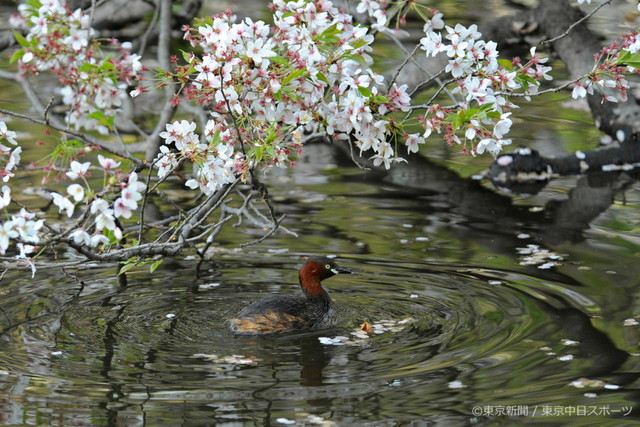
328 267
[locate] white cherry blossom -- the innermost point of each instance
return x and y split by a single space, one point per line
63 204
76 191
78 169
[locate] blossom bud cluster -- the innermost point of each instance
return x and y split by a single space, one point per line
61 41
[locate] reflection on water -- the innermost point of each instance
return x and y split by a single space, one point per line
482 328
510 303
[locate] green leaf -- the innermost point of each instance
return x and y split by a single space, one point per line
186 56
330 35
22 41
257 153
329 39
34 4
154 265
320 76
629 59
127 267
357 58
506 64
526 80
271 152
16 55
161 72
332 30
485 107
107 66
278 60
215 138
364 91
358 43
86 68
100 117
467 114
450 117
624 56
293 75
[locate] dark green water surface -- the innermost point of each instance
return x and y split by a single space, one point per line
493 309
475 326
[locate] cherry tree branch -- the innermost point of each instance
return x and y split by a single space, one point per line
108 147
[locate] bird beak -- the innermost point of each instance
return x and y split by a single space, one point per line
340 270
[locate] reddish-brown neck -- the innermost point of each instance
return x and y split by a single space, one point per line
310 278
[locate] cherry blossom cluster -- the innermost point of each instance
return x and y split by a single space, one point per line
483 83
266 85
62 41
102 211
9 158
377 11
96 226
613 62
22 225
216 162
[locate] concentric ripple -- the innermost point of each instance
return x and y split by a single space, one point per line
433 328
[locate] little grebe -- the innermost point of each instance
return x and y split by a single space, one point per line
281 313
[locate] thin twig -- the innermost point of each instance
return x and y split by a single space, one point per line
273 229
575 24
404 63
31 94
9 263
426 83
353 158
430 101
196 217
152 24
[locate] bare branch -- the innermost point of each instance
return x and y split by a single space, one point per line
575 24
273 229
401 66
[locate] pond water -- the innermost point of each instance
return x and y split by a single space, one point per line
483 306
486 309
